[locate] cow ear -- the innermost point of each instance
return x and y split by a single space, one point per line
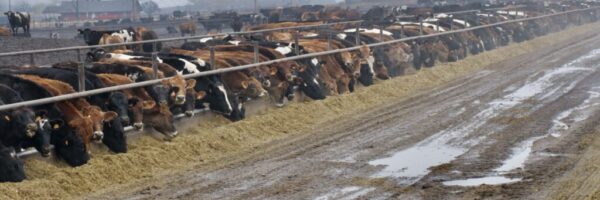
200 95
273 71
132 102
56 124
191 84
7 118
245 85
108 116
147 105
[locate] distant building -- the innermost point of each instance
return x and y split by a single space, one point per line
96 9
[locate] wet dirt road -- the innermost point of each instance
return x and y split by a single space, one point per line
511 130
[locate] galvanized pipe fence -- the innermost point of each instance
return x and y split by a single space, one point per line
84 93
243 67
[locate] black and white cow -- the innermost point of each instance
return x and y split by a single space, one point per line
18 20
92 37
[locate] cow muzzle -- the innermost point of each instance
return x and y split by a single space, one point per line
45 151
98 135
171 136
125 119
266 83
180 99
189 113
31 130
138 126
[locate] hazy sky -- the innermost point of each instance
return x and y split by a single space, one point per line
161 3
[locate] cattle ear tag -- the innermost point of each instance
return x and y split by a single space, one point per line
7 118
56 126
67 142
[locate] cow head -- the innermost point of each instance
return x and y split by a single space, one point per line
308 79
21 121
98 118
162 93
161 119
114 136
41 140
216 95
178 87
11 168
135 111
68 145
118 102
87 36
191 96
96 55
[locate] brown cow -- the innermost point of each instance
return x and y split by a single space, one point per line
112 39
188 28
176 81
158 116
86 119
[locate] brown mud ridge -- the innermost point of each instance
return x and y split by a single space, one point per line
213 143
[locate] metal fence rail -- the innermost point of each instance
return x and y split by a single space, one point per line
75 48
243 67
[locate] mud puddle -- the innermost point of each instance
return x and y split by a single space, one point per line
410 165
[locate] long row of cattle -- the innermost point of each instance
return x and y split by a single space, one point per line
70 126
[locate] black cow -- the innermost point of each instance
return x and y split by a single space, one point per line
11 168
67 144
18 20
37 134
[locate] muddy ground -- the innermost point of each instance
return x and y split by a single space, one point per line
515 123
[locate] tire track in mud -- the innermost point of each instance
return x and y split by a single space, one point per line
266 172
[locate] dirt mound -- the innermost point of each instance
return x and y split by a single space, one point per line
4 32
209 142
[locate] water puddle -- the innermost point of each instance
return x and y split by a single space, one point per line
519 156
410 165
347 193
415 162
491 180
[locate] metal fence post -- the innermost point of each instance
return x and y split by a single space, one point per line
80 72
437 25
329 37
255 44
401 31
155 65
381 32
357 39
420 26
212 58
31 59
297 42
451 23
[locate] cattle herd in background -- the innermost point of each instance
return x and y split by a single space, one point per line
71 126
